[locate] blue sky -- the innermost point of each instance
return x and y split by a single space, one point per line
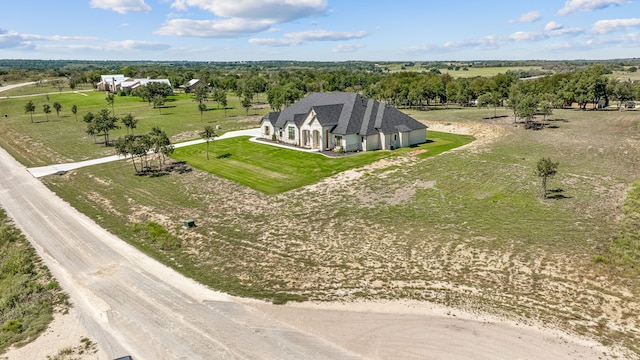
322 30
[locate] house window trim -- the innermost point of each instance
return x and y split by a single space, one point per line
292 132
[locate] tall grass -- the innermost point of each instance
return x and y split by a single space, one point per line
29 296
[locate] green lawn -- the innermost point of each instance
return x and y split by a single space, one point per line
273 170
63 138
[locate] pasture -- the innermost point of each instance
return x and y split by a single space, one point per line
466 228
64 139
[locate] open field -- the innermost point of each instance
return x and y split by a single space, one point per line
63 139
460 73
466 228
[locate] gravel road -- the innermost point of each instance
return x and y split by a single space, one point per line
131 304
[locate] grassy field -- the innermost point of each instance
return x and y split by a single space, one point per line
460 73
29 296
63 138
275 170
466 228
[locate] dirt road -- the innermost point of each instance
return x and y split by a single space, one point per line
131 304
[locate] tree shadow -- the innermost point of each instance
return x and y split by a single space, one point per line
495 117
557 194
224 156
179 167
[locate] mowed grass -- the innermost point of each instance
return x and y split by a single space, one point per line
273 170
63 138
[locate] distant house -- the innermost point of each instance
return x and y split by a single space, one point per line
110 83
188 87
342 121
116 83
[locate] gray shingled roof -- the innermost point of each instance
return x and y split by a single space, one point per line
351 113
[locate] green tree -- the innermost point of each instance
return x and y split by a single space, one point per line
59 84
104 122
208 134
47 110
161 145
246 103
546 108
136 147
202 107
74 110
57 107
484 100
622 92
91 126
527 108
545 169
30 108
129 122
219 96
158 102
111 99
201 93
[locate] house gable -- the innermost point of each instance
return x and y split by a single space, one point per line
360 123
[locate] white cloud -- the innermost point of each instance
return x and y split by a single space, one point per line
552 25
552 30
487 42
137 45
10 39
527 36
274 10
347 48
122 6
607 26
227 28
237 18
531 16
299 38
571 6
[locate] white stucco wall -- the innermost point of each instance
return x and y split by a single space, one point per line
266 130
285 134
351 142
373 142
417 136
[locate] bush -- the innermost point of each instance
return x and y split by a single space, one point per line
13 325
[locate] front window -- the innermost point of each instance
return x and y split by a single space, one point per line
292 133
338 140
266 130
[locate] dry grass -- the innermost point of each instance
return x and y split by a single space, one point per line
464 228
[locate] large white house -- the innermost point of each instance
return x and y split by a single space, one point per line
117 82
342 121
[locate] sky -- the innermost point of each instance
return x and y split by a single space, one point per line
319 30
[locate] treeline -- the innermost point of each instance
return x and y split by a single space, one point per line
285 82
